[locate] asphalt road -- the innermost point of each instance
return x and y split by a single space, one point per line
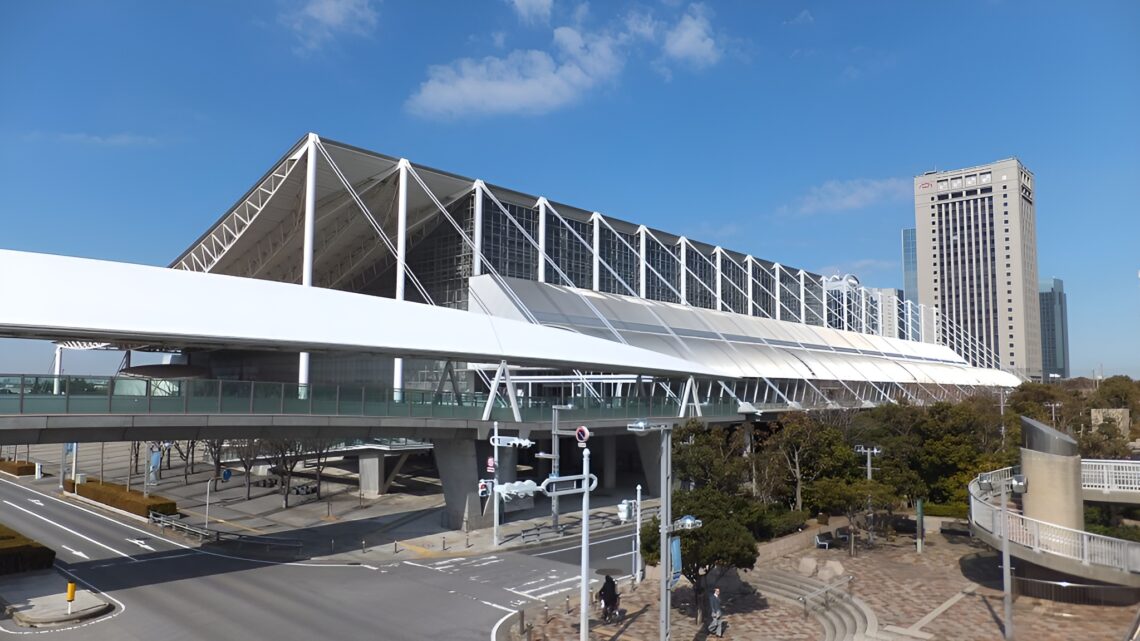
166 590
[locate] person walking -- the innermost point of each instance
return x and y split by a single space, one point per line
716 620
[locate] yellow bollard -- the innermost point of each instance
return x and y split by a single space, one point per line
70 595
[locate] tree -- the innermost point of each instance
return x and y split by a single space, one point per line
186 455
284 453
215 447
723 541
809 450
1105 441
710 457
852 498
247 450
318 447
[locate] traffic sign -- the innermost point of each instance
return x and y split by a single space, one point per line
582 434
491 464
226 474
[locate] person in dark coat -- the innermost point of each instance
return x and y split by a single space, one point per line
716 620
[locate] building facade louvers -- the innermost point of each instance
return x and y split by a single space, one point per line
976 244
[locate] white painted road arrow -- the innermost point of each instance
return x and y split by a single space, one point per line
141 544
37 502
76 552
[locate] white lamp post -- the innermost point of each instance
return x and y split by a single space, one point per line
554 461
1018 484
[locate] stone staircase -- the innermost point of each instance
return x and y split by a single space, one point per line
844 617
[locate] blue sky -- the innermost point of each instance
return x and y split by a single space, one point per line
789 130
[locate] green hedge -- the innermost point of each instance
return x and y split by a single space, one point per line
17 468
117 496
954 510
18 553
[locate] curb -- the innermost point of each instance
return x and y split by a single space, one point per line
81 615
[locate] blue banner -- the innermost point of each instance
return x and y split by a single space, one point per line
675 559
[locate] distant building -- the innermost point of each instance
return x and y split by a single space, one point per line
976 246
891 311
910 266
1054 329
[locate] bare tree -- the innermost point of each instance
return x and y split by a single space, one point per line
247 450
318 447
186 455
284 453
214 447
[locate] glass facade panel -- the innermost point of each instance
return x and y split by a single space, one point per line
763 291
733 286
701 283
789 295
621 258
572 256
666 260
505 246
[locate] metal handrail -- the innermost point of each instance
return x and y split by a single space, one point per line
1110 476
825 591
164 521
1042 536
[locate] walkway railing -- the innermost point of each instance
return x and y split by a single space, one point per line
22 394
824 595
1040 536
1111 476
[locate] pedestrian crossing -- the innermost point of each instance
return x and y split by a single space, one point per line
526 579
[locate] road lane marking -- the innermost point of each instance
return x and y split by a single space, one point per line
76 552
618 556
496 605
141 544
592 544
37 502
67 529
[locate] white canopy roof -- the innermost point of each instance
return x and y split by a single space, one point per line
66 298
745 346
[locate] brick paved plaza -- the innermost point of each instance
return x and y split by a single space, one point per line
901 586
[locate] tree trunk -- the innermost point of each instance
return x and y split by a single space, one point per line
247 484
799 483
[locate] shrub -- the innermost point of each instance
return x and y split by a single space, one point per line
954 510
18 468
21 554
117 496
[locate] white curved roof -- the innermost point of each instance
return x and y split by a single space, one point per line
66 298
745 346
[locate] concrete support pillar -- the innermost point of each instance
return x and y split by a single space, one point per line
508 464
371 473
456 461
609 462
1054 494
649 448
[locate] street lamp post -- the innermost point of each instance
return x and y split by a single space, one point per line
873 450
644 427
584 590
637 542
554 461
1018 485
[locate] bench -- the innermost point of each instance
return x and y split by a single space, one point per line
955 528
308 488
824 540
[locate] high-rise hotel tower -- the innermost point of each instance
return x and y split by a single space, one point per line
976 237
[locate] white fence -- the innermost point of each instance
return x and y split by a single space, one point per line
1088 548
1111 476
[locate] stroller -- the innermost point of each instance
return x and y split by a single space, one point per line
611 612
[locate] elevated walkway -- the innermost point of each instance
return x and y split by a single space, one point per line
44 409
1111 481
1063 549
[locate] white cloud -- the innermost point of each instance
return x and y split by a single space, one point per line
499 39
533 11
100 140
845 195
803 17
691 41
523 82
320 21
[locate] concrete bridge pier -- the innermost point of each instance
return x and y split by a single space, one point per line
459 470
